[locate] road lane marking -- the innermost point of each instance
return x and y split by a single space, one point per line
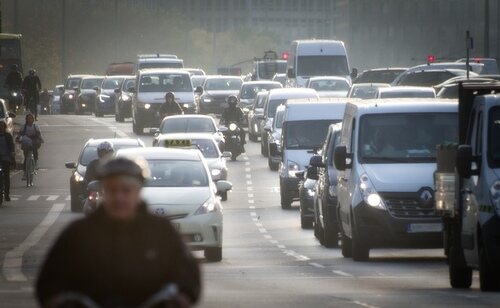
281 246
12 267
251 201
341 273
253 214
252 207
363 304
262 230
267 236
259 225
248 169
249 182
52 198
33 198
247 163
255 219
250 195
317 265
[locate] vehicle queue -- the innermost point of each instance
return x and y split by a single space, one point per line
357 152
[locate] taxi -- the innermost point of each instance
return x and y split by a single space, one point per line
180 188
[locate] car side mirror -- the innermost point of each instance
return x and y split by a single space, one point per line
199 90
154 130
290 73
223 186
267 128
227 154
222 129
96 89
464 161
340 157
354 73
76 89
312 173
117 91
273 150
94 186
70 165
316 161
131 89
11 114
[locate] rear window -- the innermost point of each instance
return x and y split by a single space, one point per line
425 79
90 153
187 125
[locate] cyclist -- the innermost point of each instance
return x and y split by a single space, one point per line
32 86
7 157
31 138
120 254
104 151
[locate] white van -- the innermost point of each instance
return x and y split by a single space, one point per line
310 58
161 61
386 160
304 129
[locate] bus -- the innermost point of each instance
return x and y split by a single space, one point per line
10 53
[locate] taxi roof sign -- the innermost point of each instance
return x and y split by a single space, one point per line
177 143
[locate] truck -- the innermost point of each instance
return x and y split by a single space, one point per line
467 184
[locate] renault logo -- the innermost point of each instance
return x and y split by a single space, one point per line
160 212
426 196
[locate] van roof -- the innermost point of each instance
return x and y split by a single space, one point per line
318 47
403 105
159 60
163 71
324 109
287 93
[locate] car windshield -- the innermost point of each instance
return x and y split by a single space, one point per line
268 69
329 85
127 84
494 137
273 105
322 66
278 120
206 146
407 94
223 84
384 76
197 81
187 125
308 134
91 83
405 138
176 173
165 83
112 83
260 101
425 79
366 92
248 91
72 83
145 65
90 153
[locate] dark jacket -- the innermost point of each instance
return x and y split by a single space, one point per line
172 108
32 83
117 263
232 114
92 171
10 146
14 80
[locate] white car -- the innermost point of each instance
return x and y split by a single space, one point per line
329 86
180 189
207 145
406 92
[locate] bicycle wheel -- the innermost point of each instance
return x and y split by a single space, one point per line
30 169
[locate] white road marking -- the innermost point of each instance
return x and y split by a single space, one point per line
255 219
253 214
250 195
52 198
33 198
252 207
248 176
250 188
267 236
68 198
316 265
248 169
363 304
275 189
262 230
13 260
247 163
259 225
274 242
281 246
251 201
341 273
249 182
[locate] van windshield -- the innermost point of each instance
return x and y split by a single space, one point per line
494 137
405 138
91 83
308 134
160 65
165 83
322 66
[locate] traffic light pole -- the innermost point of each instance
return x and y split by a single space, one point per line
486 28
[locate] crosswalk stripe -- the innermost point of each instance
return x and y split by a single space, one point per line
33 198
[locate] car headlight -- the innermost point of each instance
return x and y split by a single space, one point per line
495 196
147 106
207 100
70 96
126 97
233 127
246 110
14 94
370 195
208 207
215 172
185 105
293 168
78 177
103 98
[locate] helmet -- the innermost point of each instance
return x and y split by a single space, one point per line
105 147
170 94
232 100
32 71
124 167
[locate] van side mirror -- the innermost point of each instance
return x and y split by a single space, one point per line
316 161
273 150
70 165
340 157
312 173
290 73
199 90
464 161
96 88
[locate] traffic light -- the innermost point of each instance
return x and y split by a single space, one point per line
431 59
284 55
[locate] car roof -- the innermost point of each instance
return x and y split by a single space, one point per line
223 76
285 93
458 79
386 69
146 71
115 141
370 85
79 76
328 78
93 77
322 109
116 76
404 105
190 116
185 136
405 89
158 60
161 153
258 82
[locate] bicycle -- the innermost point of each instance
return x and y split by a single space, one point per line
29 168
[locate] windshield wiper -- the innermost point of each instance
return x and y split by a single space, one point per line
388 159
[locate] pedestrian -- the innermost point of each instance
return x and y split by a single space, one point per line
120 255
32 86
7 157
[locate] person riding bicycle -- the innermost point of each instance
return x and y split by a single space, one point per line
32 86
234 114
7 158
31 139
121 254
105 151
170 107
13 83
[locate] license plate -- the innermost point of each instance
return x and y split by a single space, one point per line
176 226
423 228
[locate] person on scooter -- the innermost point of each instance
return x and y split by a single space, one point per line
234 114
170 107
121 254
105 150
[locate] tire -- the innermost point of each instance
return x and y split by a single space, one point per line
346 245
252 137
76 205
272 166
331 235
360 250
489 275
213 254
264 147
138 130
286 201
318 233
306 222
119 117
460 274
223 196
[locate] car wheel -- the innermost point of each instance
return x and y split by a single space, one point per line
460 274
489 274
223 196
318 232
346 245
213 254
272 165
331 234
76 204
286 201
360 250
306 222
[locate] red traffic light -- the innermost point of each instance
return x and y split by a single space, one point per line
431 59
284 55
